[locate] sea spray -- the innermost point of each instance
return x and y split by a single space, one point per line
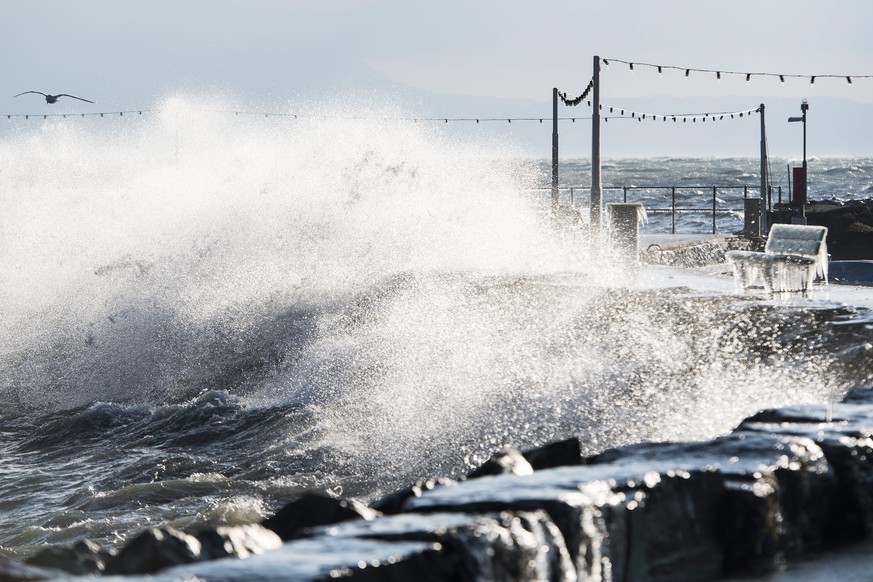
138 255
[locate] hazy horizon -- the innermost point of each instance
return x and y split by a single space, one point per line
453 59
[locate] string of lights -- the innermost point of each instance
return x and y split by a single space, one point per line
140 112
684 117
580 98
82 115
747 74
619 112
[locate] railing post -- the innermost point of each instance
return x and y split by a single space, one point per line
596 203
713 209
673 212
625 194
554 148
572 200
765 177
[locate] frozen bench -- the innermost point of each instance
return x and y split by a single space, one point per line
795 254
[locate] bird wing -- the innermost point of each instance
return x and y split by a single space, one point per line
73 96
26 92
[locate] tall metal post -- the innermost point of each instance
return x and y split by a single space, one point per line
554 148
596 185
804 106
764 177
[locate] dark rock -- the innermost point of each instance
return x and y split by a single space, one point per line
238 541
847 441
573 503
627 522
393 502
674 530
154 550
314 509
14 572
754 537
327 556
859 395
502 546
508 460
749 462
556 454
850 227
84 557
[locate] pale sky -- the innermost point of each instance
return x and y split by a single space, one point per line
125 54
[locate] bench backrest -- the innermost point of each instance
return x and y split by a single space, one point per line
796 239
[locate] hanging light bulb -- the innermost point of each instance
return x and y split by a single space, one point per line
659 69
605 62
687 72
631 66
718 75
849 79
782 78
812 80
748 76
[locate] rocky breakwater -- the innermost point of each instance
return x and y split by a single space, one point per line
849 224
785 483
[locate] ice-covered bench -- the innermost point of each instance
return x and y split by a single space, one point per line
795 254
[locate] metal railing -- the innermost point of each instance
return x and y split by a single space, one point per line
667 203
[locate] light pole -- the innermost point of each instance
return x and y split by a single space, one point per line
804 107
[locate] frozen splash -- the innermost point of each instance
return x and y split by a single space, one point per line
794 256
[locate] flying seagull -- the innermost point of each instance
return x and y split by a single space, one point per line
52 98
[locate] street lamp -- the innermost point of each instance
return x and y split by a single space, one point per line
804 107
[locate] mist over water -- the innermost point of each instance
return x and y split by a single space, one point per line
127 249
203 313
